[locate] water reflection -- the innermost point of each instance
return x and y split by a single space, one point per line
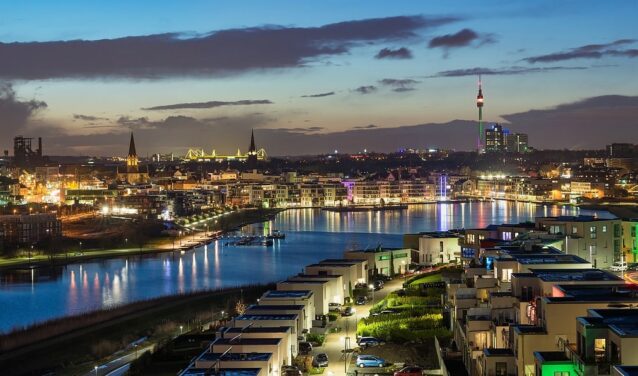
29 296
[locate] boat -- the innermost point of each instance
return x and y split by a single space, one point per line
276 235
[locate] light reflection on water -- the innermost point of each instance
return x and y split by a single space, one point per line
29 296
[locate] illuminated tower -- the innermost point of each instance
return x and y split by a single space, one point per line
252 152
480 148
131 159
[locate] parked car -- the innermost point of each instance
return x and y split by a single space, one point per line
305 348
348 311
369 361
290 371
388 312
360 285
619 266
632 266
360 300
320 360
409 371
368 341
378 285
334 307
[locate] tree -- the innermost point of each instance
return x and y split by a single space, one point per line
391 264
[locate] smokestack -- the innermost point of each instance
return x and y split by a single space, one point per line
39 146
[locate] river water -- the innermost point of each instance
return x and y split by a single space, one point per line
30 296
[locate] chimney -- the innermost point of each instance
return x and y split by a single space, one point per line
39 146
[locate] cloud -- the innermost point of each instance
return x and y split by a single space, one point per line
15 113
88 117
399 53
585 124
210 104
399 85
369 126
218 53
299 129
463 38
590 51
366 89
318 95
501 71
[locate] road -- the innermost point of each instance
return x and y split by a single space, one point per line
335 342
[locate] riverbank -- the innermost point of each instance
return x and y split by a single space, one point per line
192 236
72 345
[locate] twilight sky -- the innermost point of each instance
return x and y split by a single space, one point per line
312 77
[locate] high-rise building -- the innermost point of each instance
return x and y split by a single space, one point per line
480 145
494 139
621 150
516 142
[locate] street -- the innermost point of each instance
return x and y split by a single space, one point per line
335 342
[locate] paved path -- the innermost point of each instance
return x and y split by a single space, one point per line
335 342
120 365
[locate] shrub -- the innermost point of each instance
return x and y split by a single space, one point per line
333 316
315 338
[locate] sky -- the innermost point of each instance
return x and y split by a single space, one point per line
315 76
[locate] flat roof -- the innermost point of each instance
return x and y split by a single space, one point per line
528 259
560 275
264 316
529 329
296 294
312 282
627 370
377 250
282 307
222 372
246 341
498 352
551 356
232 357
257 329
440 234
317 276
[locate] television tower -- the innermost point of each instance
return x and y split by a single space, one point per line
479 103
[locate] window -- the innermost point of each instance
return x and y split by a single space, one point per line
507 235
574 230
592 232
562 373
604 228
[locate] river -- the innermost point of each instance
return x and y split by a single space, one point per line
29 296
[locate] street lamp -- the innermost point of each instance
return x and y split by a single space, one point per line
95 368
80 247
181 327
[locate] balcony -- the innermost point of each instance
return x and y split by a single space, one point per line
586 366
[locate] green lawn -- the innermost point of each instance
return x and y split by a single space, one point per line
436 277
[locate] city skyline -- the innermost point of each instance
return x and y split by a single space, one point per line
315 78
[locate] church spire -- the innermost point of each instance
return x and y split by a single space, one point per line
252 147
131 159
131 147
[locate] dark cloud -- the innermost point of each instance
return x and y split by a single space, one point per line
217 53
399 53
464 38
589 123
590 51
319 95
399 85
15 113
500 71
210 104
369 126
88 117
366 89
298 129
